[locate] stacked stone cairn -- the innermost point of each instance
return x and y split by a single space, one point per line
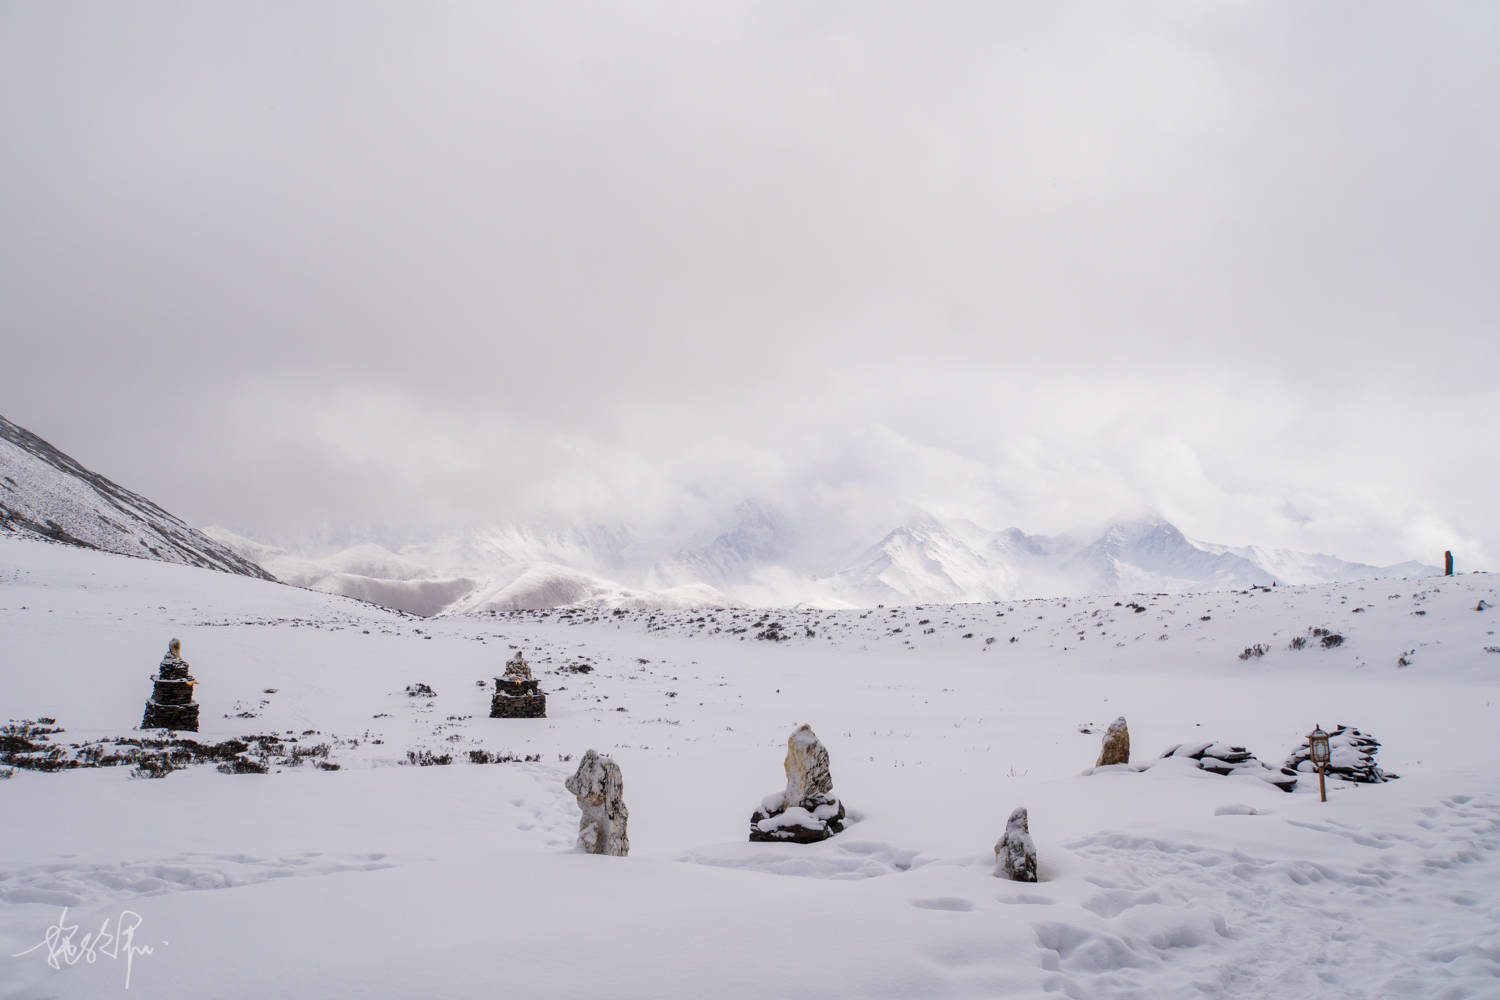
1115 748
1015 854
1221 758
806 811
601 796
171 705
516 695
1351 756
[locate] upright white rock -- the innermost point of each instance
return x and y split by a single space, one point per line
1015 854
601 796
807 774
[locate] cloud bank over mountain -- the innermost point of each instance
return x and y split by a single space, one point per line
752 562
318 266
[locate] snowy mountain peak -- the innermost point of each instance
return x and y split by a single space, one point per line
758 535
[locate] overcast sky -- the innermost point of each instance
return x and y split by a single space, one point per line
286 265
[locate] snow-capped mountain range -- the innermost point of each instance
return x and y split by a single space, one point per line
925 559
760 558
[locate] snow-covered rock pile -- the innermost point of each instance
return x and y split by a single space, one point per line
1015 854
171 705
1221 758
807 810
1351 757
517 695
601 796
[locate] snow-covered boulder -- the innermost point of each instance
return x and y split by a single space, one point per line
806 811
1351 756
1015 854
601 796
1116 745
1221 758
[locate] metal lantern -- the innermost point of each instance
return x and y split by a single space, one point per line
1317 745
1317 742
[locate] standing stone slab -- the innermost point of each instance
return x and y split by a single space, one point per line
1015 854
1116 746
601 796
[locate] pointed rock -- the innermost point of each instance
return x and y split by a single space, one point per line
1116 746
1015 854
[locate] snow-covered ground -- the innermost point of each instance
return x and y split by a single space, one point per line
382 879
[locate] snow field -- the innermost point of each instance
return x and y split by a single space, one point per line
382 879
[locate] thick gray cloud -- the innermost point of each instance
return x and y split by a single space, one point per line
282 265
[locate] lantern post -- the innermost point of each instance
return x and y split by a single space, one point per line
1317 744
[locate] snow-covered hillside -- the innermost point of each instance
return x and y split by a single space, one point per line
367 572
46 494
384 879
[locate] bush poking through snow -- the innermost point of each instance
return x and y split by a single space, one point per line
420 691
1255 652
157 765
1327 638
426 758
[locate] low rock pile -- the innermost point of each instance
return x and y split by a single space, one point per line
807 810
1221 758
1351 757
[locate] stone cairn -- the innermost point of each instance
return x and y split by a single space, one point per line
171 705
1115 748
1221 758
1015 854
1351 756
516 694
806 811
601 796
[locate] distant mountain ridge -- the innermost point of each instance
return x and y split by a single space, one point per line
47 494
925 559
761 557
